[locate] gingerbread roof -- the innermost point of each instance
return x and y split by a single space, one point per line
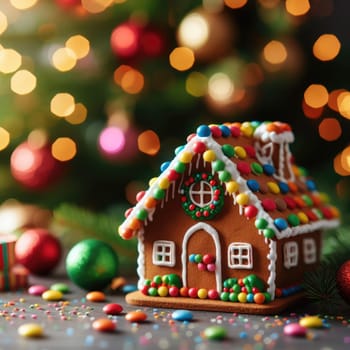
253 161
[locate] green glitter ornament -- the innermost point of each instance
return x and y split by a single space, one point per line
92 264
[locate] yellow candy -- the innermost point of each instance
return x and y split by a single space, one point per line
232 186
273 187
152 181
30 330
311 322
209 156
185 157
242 297
303 217
163 291
242 199
202 293
164 183
247 129
52 295
240 152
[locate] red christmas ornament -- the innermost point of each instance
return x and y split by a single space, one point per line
38 250
68 4
34 167
343 281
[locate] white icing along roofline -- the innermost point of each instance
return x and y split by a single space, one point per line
262 133
231 167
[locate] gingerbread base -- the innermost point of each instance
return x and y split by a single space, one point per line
137 298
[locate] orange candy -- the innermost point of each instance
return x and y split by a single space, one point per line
104 325
96 296
150 202
136 316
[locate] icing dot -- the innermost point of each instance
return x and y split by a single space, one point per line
199 147
164 166
243 168
257 169
253 185
268 204
185 157
281 224
268 169
293 219
261 224
284 188
273 187
226 132
203 131
228 150
209 156
240 152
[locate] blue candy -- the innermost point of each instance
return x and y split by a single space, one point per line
203 131
182 315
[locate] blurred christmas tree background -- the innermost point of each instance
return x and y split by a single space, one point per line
96 94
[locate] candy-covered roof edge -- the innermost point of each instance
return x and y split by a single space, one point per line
236 185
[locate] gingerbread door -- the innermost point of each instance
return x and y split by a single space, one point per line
201 258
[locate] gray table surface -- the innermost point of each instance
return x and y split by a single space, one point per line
68 325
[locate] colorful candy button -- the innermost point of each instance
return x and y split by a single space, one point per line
311 322
37 289
95 296
61 287
112 309
182 315
104 325
136 316
215 333
30 330
294 330
52 295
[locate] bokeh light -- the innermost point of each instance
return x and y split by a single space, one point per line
23 82
64 59
316 96
4 138
343 101
129 79
3 22
37 138
125 40
235 4
10 60
310 112
338 168
64 149
220 87
62 104
333 99
23 4
148 142
181 58
193 31
112 140
297 7
197 84
78 116
345 159
326 47
79 45
330 129
96 6
275 52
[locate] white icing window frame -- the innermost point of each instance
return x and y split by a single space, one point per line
291 254
309 250
201 192
241 252
167 258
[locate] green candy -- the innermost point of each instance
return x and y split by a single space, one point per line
293 220
261 224
215 333
174 280
61 287
218 165
224 176
158 193
228 150
269 233
142 214
256 168
180 167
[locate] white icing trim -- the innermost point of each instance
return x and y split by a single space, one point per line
141 260
215 236
168 258
309 250
271 280
201 192
248 257
290 254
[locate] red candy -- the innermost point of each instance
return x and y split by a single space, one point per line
199 147
243 168
250 211
268 204
112 309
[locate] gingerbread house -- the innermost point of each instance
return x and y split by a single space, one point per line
231 222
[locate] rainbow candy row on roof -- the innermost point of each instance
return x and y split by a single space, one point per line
310 207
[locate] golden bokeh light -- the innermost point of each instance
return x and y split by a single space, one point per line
3 22
96 6
197 84
78 116
326 47
10 60
132 81
181 58
79 45
333 99
235 4
345 159
316 96
220 87
297 7
4 138
275 52
148 142
64 59
64 149
193 31
62 104
330 129
269 4
338 168
38 138
23 82
311 113
23 4
343 101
